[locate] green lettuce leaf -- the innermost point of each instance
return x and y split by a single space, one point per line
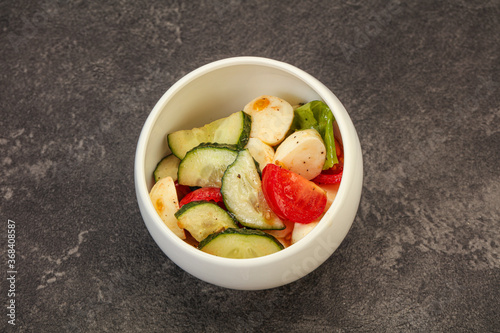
317 115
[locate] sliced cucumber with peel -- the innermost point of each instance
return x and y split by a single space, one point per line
234 130
205 164
167 167
242 194
240 244
202 218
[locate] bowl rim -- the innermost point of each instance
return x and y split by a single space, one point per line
346 128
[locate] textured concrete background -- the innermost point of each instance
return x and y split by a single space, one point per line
421 81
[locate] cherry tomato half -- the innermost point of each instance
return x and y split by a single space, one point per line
291 196
204 193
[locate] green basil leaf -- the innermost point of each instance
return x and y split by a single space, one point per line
317 115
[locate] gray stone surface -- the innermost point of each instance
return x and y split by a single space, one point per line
420 80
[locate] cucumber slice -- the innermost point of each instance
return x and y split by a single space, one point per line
167 167
240 244
234 130
202 218
242 193
205 164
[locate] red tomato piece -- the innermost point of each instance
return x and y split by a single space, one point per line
206 194
330 176
334 174
182 190
291 196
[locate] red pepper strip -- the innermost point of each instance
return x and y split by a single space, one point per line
330 176
205 194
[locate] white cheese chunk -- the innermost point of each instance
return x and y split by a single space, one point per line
300 230
303 152
271 118
164 198
261 152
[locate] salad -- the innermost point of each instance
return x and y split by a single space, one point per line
252 183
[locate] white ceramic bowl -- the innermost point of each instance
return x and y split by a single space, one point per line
214 91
